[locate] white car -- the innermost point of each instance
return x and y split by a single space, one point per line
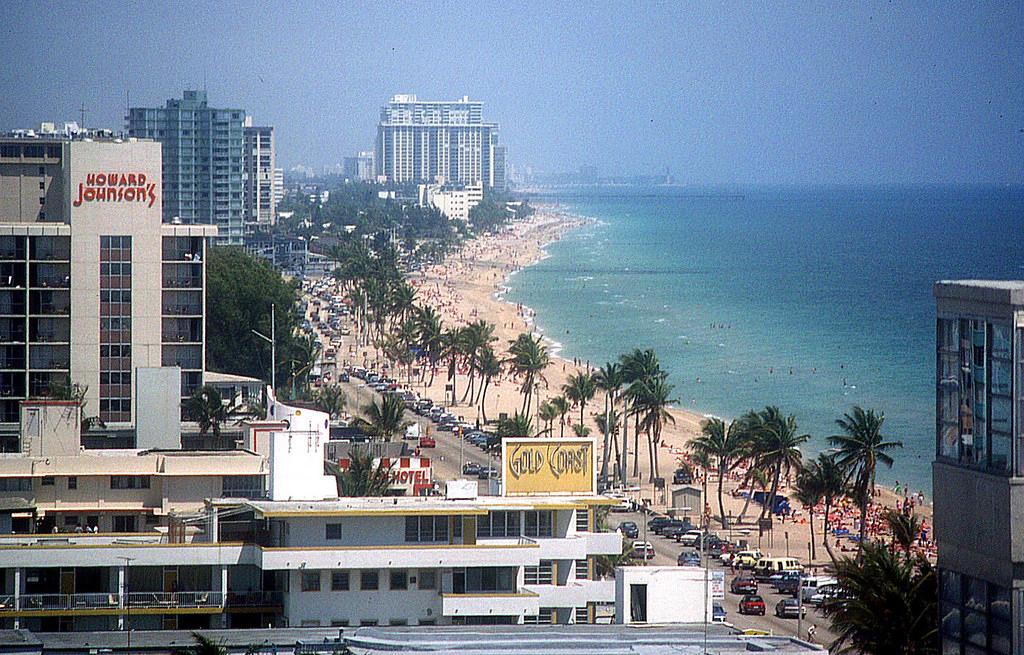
691 537
643 550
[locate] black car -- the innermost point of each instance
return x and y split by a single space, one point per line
471 468
676 528
629 529
657 522
789 584
682 476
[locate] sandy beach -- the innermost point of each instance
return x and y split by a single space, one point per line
469 286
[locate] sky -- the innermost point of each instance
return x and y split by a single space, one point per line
717 93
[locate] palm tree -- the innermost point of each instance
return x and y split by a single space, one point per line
304 357
547 413
452 348
528 359
475 337
608 379
653 401
518 425
430 338
580 430
638 367
727 444
608 424
489 365
207 408
809 493
776 447
755 476
562 406
905 528
384 419
361 478
706 463
580 389
331 400
203 646
861 448
891 606
830 481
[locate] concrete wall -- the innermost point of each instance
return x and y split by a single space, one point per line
674 594
157 399
975 516
51 428
297 454
356 605
90 221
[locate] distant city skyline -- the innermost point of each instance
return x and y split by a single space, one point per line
862 93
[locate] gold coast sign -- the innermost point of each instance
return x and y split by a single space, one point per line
548 466
116 187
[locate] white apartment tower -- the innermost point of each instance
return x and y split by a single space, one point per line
259 200
437 142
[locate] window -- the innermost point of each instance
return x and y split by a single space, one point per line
72 482
539 523
47 481
129 482
124 524
332 531
240 486
368 622
484 579
543 574
427 579
581 615
310 580
543 616
426 528
15 484
369 579
339 581
398 622
582 520
498 524
582 570
399 580
310 623
339 623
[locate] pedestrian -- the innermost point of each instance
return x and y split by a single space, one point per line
811 631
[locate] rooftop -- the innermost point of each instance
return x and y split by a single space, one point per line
990 291
135 462
418 505
680 639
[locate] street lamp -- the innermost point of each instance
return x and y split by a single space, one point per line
273 349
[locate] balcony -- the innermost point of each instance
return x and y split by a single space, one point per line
514 603
512 552
149 602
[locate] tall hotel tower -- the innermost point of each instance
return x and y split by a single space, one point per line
437 141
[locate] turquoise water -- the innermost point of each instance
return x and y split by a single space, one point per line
812 299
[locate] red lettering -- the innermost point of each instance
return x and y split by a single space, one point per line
142 179
129 194
101 179
152 194
78 201
131 179
89 195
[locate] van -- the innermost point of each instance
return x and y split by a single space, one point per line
810 585
766 567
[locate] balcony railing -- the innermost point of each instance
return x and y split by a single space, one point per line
148 600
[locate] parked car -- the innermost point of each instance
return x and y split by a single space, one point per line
629 529
746 559
690 537
688 558
682 476
743 584
789 608
766 567
470 468
487 472
427 442
824 594
717 614
788 583
752 604
657 522
675 525
811 584
642 550
623 505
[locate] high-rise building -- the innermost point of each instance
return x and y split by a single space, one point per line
500 176
259 162
360 167
202 161
436 142
93 287
278 187
978 473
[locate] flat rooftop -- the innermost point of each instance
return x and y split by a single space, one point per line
681 639
1009 292
419 505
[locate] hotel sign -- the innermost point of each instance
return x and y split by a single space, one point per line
548 466
116 187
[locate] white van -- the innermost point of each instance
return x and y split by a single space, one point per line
766 567
809 586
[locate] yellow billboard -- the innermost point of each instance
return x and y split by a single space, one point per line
548 466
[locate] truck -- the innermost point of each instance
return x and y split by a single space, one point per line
413 431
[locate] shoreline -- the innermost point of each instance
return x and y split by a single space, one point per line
473 284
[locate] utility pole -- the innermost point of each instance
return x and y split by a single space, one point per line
272 339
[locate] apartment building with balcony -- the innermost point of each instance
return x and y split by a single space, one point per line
178 540
93 286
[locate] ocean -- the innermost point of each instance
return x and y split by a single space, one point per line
812 299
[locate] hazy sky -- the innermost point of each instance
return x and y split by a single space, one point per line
723 92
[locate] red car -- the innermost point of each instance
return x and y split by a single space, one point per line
427 442
745 585
751 604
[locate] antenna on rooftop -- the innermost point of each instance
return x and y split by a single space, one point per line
81 114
